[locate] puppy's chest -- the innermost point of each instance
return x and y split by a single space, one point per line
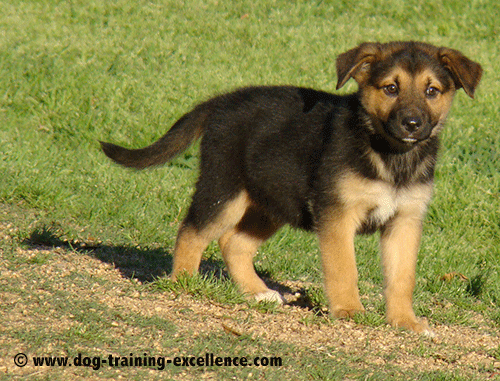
375 202
385 207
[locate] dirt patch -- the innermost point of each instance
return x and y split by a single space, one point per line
86 278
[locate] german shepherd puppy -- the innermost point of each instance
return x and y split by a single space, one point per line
335 165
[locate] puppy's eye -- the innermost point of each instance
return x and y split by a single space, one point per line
432 92
391 90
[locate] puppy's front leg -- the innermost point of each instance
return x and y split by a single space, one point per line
336 240
400 241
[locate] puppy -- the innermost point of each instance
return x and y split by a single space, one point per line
334 165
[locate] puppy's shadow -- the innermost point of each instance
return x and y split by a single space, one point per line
143 264
146 265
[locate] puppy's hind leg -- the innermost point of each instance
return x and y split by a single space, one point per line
188 250
238 247
192 239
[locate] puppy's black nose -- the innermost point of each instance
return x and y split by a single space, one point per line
411 123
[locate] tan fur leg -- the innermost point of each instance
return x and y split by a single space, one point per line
336 240
188 251
238 250
191 242
400 241
239 246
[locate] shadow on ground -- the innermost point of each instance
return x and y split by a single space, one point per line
146 265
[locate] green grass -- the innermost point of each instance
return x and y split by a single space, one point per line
73 73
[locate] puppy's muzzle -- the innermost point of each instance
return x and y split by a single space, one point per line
408 126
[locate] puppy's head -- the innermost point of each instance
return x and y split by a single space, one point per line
407 87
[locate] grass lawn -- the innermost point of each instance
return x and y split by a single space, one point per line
85 245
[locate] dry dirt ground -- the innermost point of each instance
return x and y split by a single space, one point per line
454 347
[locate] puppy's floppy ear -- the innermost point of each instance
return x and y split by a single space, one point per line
465 73
355 63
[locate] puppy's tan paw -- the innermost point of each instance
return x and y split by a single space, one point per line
412 324
347 311
270 296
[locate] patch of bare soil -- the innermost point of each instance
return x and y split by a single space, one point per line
454 347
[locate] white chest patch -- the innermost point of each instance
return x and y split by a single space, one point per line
379 201
386 208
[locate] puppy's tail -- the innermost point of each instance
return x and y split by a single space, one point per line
185 131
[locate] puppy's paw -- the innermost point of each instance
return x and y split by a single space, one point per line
270 296
346 312
413 324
